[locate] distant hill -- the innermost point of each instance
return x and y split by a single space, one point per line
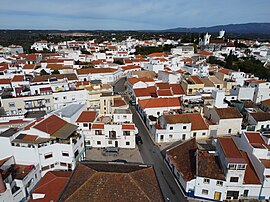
247 28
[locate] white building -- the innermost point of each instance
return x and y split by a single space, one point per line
261 89
223 121
222 173
40 45
116 130
51 142
17 181
175 127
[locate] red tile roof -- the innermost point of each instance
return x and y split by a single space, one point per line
98 126
96 70
157 55
134 80
251 176
228 113
128 126
45 89
129 67
205 53
209 166
17 78
31 57
184 152
230 150
163 85
52 185
112 182
144 92
160 102
196 79
118 102
177 89
225 71
196 120
51 124
164 92
87 117
5 81
29 66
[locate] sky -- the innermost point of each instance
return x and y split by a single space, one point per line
129 14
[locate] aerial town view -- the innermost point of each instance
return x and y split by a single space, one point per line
134 101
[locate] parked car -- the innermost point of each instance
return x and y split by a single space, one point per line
110 151
138 139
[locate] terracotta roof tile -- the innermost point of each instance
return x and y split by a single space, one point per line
112 182
96 70
51 124
228 113
196 120
160 102
128 126
184 152
98 126
209 166
87 117
52 185
230 150
251 176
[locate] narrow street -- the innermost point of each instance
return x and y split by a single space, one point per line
151 155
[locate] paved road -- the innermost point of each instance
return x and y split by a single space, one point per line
151 155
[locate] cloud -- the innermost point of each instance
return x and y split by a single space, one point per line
131 14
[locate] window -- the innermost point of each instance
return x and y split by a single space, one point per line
109 142
63 164
241 167
52 165
230 131
47 101
127 143
183 136
65 154
64 97
203 134
98 132
126 133
56 98
45 168
170 136
125 116
194 134
85 125
262 126
19 110
99 142
11 104
171 128
245 194
184 127
161 137
205 192
234 179
206 181
47 156
219 183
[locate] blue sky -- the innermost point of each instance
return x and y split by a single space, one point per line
129 14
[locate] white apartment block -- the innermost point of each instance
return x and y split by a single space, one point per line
51 142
